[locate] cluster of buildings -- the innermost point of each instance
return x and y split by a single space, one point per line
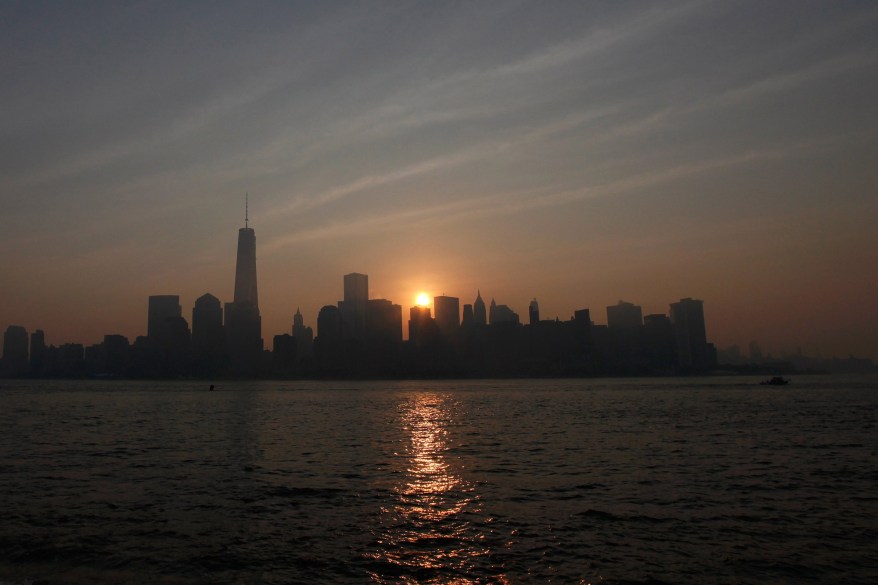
363 337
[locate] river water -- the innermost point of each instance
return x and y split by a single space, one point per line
711 480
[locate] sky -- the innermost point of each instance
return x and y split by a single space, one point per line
579 153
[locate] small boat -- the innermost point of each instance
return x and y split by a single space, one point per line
775 381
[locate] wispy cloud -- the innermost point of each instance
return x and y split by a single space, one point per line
506 203
468 155
505 88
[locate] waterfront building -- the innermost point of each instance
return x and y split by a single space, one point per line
354 306
304 336
161 308
533 311
384 321
420 324
284 354
243 322
327 346
690 336
447 316
502 315
37 351
208 334
468 317
480 315
624 316
15 357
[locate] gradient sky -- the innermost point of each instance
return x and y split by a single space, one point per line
576 152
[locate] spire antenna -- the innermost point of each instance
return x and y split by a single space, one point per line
246 208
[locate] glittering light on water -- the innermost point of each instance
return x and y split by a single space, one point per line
427 537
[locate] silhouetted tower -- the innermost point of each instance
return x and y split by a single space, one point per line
354 306
659 341
116 355
468 317
15 351
161 308
327 346
37 352
174 346
501 314
690 336
304 336
624 316
208 336
480 315
384 322
533 311
421 325
243 322
283 354
447 315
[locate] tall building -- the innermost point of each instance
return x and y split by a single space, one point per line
421 325
356 287
659 341
116 355
174 343
384 321
624 316
501 314
161 308
304 336
327 346
533 311
245 268
480 315
582 317
15 356
447 315
354 306
690 336
37 351
468 319
284 354
208 335
328 325
243 322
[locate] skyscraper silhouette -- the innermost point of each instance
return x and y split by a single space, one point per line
480 314
243 322
447 315
161 308
687 317
208 339
624 316
304 336
15 356
37 351
533 311
353 308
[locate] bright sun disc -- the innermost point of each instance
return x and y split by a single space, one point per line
423 299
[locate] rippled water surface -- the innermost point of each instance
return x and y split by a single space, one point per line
585 481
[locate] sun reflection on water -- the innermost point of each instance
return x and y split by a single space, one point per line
429 535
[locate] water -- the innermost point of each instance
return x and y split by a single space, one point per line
576 481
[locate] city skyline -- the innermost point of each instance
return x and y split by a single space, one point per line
364 336
578 153
354 288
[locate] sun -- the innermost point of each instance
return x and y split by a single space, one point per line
423 300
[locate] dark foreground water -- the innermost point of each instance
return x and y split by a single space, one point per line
584 481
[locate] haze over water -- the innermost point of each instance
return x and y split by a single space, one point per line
626 481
